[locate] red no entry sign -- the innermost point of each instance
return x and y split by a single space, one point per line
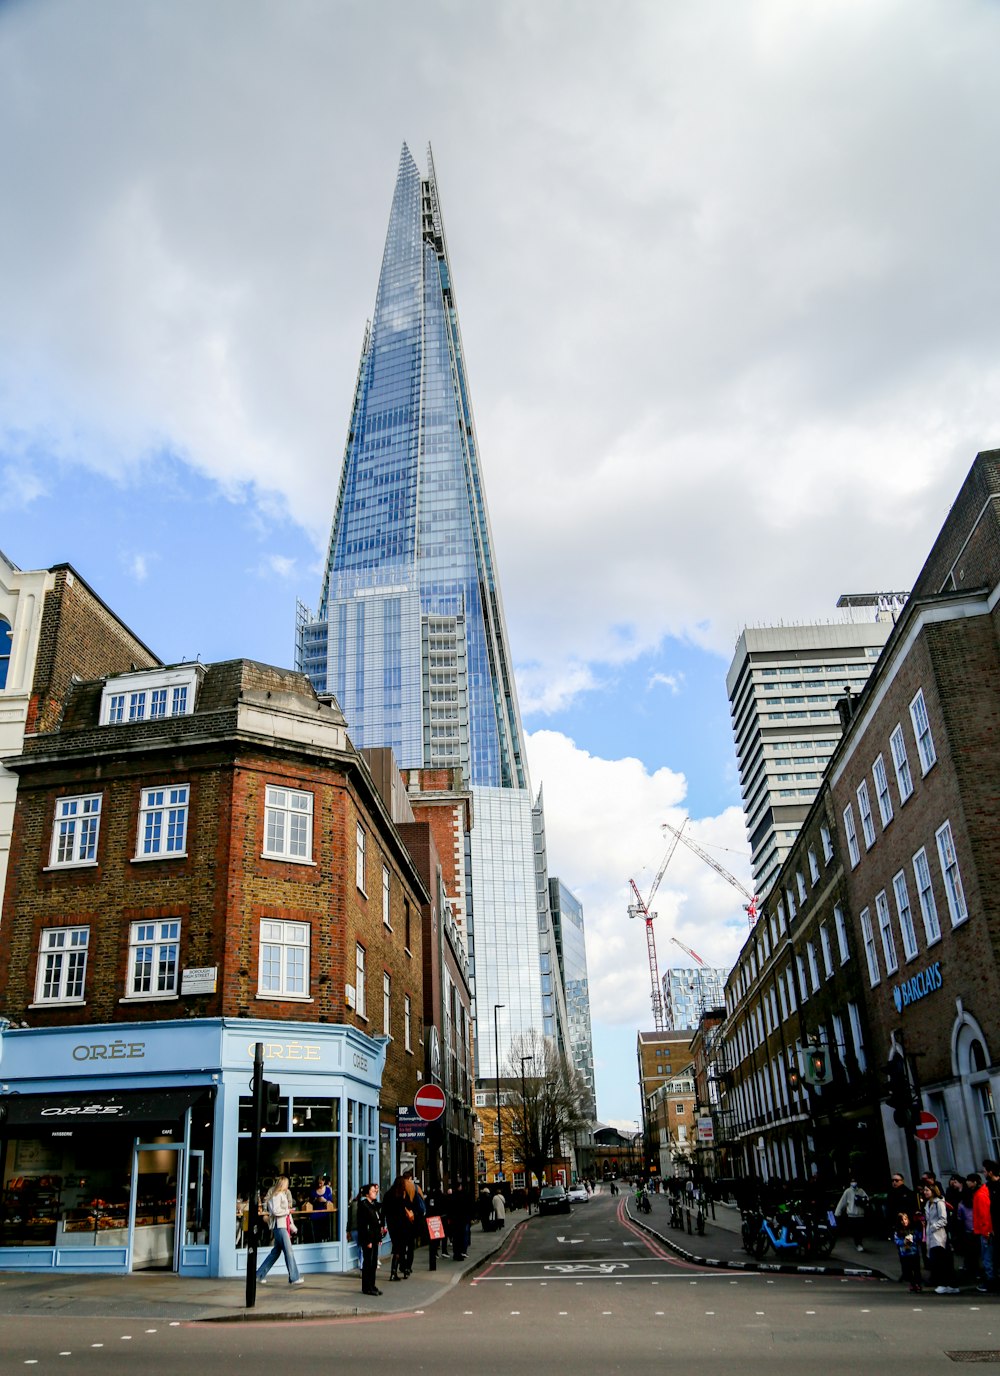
428 1103
927 1127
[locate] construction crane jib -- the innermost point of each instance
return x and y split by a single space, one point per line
751 904
641 909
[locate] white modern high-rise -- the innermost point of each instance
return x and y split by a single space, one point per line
783 685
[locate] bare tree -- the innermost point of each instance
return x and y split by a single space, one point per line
543 1102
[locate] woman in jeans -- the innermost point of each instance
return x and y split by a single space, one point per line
278 1207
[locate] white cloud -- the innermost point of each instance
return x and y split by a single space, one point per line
726 277
603 827
280 564
670 681
138 566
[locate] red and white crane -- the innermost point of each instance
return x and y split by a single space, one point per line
641 909
750 905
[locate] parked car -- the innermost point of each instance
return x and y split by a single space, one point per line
578 1193
553 1200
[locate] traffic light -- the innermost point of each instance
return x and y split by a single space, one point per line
273 1111
901 1092
819 1070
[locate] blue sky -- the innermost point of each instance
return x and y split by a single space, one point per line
727 283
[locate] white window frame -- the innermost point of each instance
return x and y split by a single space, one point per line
813 865
782 924
76 831
865 812
840 925
129 698
922 732
950 873
800 884
853 849
360 858
800 966
163 813
854 1017
925 896
901 764
881 781
155 939
407 1023
790 900
885 931
871 948
284 959
905 913
827 949
62 964
288 824
386 1003
360 980
385 896
827 842
813 965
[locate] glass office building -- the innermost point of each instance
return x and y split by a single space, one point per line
410 635
567 914
689 991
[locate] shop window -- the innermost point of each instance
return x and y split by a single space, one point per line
284 959
288 814
163 817
307 1150
77 825
62 965
153 964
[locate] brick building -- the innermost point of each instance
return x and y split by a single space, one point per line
915 784
52 627
664 1060
879 942
200 860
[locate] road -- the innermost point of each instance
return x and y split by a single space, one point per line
589 1293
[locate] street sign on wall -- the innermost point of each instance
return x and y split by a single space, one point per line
927 1127
429 1102
409 1127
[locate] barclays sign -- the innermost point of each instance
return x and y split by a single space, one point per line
918 987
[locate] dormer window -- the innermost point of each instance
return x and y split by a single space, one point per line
152 695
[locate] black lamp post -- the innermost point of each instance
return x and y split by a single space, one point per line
496 1060
524 1118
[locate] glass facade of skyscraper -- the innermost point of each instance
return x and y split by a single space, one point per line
567 914
410 634
687 992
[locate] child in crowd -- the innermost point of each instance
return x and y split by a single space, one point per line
907 1239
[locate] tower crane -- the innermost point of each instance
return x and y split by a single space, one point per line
641 909
752 901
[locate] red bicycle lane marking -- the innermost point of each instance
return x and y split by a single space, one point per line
657 1249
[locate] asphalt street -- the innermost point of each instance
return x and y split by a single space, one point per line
589 1293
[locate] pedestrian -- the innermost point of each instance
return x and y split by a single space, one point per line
395 1210
991 1169
415 1211
278 1205
907 1240
939 1256
899 1199
499 1210
966 1242
851 1209
371 1231
982 1226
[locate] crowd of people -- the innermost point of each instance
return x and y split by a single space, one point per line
947 1231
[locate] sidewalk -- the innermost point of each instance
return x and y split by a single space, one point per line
164 1295
722 1245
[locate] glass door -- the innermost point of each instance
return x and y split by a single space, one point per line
157 1196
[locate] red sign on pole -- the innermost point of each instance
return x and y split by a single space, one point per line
927 1127
429 1102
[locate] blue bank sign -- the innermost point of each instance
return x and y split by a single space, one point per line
918 987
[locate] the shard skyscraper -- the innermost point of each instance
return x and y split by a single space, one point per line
410 634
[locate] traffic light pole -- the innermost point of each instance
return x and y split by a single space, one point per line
257 1085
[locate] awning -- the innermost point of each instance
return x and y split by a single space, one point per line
59 1112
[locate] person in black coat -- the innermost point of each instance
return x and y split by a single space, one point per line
370 1234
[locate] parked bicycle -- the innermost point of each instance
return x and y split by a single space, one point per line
788 1232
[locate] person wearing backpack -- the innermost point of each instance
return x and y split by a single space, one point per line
278 1205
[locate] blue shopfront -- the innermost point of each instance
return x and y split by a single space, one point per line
127 1147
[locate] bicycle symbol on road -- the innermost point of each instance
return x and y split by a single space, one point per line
600 1268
